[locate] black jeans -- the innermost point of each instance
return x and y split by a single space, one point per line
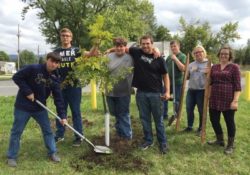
229 119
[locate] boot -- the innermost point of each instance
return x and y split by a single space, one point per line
230 146
219 141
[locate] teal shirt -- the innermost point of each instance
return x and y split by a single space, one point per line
178 74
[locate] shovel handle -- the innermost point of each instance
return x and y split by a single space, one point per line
70 127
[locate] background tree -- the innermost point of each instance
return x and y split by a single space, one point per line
42 59
240 55
162 34
228 33
125 18
247 53
194 33
27 57
4 56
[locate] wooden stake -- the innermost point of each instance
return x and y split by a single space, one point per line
205 104
183 88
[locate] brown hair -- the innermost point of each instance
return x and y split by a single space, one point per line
231 55
147 37
63 30
54 56
119 41
175 42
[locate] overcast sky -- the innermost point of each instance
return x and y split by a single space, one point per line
168 12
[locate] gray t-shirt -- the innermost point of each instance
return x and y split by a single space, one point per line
123 87
197 76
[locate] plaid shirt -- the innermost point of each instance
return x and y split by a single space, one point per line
224 83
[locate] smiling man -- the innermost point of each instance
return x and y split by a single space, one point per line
149 73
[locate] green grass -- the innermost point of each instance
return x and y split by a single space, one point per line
5 77
186 156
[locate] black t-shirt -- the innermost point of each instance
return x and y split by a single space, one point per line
69 56
147 71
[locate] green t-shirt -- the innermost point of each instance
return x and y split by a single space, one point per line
178 74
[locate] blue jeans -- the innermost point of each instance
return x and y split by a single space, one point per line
194 97
177 100
21 118
119 107
72 98
148 104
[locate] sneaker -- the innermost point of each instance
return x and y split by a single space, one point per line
163 148
145 145
59 139
77 142
54 158
187 129
12 162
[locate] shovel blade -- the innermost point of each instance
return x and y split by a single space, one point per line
102 150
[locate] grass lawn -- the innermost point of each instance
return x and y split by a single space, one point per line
186 156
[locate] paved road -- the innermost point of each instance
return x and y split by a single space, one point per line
9 88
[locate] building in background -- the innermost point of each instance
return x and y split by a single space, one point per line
8 67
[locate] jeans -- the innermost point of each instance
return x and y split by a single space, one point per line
177 101
21 118
150 103
229 119
119 107
72 98
194 97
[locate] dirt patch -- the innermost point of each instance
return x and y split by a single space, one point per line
123 159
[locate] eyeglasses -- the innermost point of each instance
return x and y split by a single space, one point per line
198 52
66 36
225 54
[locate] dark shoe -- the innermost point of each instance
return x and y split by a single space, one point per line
187 129
163 148
219 141
145 145
77 142
12 162
54 158
59 139
198 132
230 146
172 119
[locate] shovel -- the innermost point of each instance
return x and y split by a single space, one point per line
173 117
97 149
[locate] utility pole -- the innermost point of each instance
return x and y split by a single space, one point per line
18 48
38 52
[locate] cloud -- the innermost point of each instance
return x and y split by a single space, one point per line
217 13
29 29
168 13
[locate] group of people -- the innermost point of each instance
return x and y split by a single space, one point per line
152 76
149 72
